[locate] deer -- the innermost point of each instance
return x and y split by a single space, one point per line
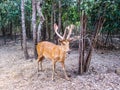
53 52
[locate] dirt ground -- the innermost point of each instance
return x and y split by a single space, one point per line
16 73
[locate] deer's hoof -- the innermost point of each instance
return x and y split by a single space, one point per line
67 78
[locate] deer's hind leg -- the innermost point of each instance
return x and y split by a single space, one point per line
39 61
53 72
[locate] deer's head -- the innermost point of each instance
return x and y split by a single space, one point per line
64 40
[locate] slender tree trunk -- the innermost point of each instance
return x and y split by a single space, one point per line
4 34
39 26
28 30
81 51
82 48
55 37
34 27
98 26
59 22
47 32
80 42
11 32
21 40
28 26
54 13
52 18
39 10
84 61
43 32
23 29
88 56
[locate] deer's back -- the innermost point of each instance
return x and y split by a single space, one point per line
48 50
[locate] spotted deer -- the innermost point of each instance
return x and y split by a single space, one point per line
53 52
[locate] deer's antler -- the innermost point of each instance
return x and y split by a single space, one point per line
56 31
69 28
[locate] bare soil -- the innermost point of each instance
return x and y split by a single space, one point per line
16 73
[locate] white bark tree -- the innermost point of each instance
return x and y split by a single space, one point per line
39 11
23 29
34 27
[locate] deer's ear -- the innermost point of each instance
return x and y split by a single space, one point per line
60 40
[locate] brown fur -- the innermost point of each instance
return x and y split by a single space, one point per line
53 52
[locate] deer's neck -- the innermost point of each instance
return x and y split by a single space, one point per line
63 48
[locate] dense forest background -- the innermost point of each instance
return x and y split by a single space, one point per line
63 12
10 15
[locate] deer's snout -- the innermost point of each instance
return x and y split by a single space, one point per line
68 52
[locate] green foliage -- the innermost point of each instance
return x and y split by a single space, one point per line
109 9
10 11
70 14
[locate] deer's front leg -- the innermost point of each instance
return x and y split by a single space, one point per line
53 73
63 66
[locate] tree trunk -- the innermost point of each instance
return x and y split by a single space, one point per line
43 32
39 6
23 29
59 21
54 14
28 30
88 56
4 34
81 46
51 33
21 39
34 27
11 32
47 32
55 37
82 61
98 26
